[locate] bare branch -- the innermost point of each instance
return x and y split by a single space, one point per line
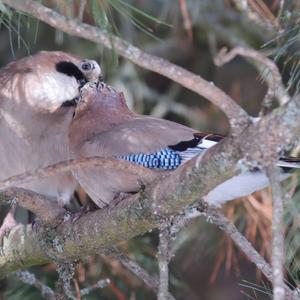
258 12
82 5
98 285
278 234
163 257
234 112
276 87
141 273
29 278
48 211
48 293
216 217
187 23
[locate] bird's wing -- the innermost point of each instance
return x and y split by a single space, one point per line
143 135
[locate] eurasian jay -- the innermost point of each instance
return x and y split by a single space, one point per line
37 101
104 126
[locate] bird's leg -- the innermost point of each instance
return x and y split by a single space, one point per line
119 198
83 210
142 185
8 224
122 196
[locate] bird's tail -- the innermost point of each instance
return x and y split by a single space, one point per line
289 163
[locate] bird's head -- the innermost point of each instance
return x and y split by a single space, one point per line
91 70
43 82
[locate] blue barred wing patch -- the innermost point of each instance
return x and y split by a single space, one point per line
173 156
166 159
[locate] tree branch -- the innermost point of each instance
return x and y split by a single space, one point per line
136 269
30 279
98 285
48 211
196 83
48 293
163 257
142 212
276 87
216 217
278 233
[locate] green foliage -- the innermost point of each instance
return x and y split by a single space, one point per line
285 49
14 22
254 291
292 237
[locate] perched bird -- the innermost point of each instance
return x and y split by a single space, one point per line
104 126
37 101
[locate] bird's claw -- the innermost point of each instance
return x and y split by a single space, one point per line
119 198
83 210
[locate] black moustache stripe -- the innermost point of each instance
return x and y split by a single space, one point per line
70 69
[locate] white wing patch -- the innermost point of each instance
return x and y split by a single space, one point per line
189 153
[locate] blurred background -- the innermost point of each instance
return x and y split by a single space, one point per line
206 265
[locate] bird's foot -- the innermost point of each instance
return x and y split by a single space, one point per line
8 224
119 198
142 185
83 210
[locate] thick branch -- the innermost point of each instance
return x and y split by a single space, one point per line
187 79
140 213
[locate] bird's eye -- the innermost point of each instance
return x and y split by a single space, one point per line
86 66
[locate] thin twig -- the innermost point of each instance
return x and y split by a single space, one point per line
163 257
82 5
254 15
234 112
278 234
98 285
29 278
214 216
276 87
187 23
150 281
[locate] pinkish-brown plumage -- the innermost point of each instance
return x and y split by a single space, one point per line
104 126
33 123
